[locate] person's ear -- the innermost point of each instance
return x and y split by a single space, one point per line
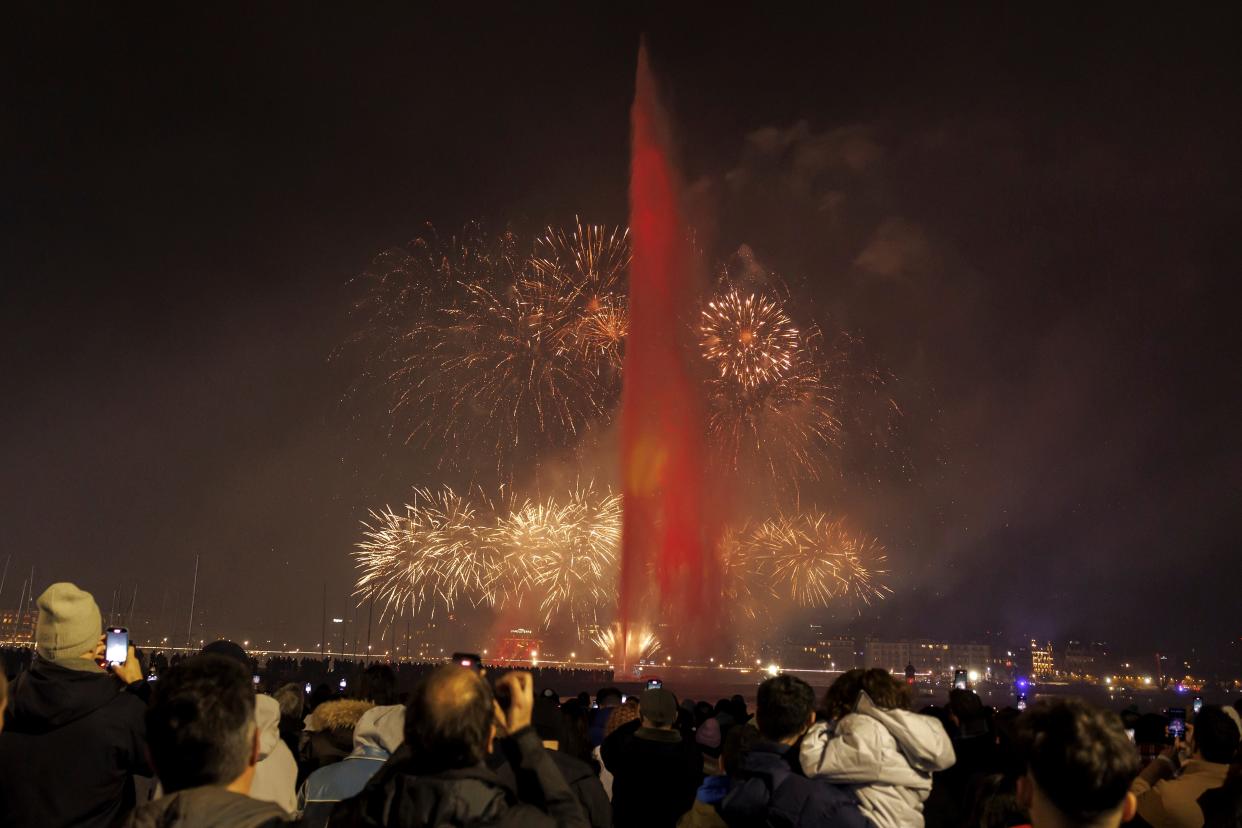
811 720
254 748
491 737
1129 807
1026 791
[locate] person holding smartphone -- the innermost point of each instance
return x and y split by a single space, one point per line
75 735
1168 789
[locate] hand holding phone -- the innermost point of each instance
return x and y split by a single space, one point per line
519 687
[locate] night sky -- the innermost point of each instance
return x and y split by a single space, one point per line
1032 222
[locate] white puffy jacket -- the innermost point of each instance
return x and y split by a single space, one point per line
886 756
276 775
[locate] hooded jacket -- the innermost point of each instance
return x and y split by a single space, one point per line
767 791
888 756
206 807
404 795
72 740
330 732
276 774
654 776
379 733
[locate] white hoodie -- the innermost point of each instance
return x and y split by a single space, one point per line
276 775
887 756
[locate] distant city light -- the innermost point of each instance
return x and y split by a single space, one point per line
774 670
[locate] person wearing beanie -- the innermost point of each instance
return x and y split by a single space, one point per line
74 737
655 771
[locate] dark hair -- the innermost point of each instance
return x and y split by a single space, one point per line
200 726
842 694
702 712
736 746
576 735
378 684
607 693
785 703
1079 756
449 719
1151 729
1216 735
884 690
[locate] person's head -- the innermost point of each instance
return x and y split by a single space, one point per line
702 712
967 712
736 745
608 697
584 699
738 704
658 707
1215 737
843 694
291 700
378 684
620 716
449 723
709 738
884 690
69 625
1079 766
785 708
200 726
232 650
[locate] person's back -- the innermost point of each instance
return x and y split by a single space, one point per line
439 778
655 771
767 789
1165 801
1078 766
205 745
73 737
885 752
379 733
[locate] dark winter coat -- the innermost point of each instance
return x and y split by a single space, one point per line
207 807
768 792
405 795
583 780
655 774
71 744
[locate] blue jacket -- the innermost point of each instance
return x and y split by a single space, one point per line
340 780
768 793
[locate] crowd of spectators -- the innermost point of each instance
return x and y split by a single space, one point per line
88 742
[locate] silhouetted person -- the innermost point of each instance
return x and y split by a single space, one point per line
205 747
655 771
1165 802
440 778
74 737
767 788
1079 765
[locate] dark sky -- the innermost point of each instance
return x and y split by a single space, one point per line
1032 221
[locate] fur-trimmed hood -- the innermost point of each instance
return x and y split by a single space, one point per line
342 714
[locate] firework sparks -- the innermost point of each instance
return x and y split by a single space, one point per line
429 553
813 560
748 338
641 642
586 267
441 550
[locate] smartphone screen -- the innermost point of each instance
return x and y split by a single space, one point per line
1130 733
959 679
116 645
1177 723
654 684
256 679
1198 705
471 661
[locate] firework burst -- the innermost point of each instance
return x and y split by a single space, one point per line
641 642
747 338
430 553
586 267
813 560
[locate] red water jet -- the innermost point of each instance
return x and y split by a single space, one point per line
667 569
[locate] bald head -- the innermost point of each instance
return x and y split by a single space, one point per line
449 720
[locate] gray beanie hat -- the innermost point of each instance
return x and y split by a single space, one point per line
69 623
